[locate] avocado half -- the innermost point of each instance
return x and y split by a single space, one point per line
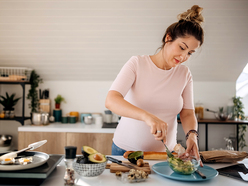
134 156
86 151
97 158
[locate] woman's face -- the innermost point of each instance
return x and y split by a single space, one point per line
179 51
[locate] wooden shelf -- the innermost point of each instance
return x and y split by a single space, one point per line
206 122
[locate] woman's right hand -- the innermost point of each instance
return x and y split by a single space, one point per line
158 127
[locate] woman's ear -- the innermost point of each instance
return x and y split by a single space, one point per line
167 38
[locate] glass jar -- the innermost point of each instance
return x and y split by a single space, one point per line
12 114
199 108
70 157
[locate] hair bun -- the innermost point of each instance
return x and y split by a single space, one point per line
193 14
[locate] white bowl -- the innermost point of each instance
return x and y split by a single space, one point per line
89 170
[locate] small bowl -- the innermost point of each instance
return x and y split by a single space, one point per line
183 166
89 170
223 116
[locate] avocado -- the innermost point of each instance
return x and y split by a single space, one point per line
134 156
86 151
81 160
97 158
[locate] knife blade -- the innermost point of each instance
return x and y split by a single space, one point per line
170 155
119 162
201 174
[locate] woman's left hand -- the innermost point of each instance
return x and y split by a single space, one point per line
192 148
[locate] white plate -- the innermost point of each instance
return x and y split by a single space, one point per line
39 158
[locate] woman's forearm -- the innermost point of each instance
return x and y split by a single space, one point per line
188 120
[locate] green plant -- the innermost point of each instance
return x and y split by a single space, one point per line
9 102
239 114
33 93
59 99
221 109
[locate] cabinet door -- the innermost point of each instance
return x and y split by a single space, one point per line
101 142
56 141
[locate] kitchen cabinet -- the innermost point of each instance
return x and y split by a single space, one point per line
56 141
102 142
21 118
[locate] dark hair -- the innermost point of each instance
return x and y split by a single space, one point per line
189 24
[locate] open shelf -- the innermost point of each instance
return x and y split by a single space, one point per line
21 118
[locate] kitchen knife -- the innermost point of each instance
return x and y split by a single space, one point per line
170 155
119 162
201 174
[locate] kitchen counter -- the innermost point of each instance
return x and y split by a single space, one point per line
109 179
59 127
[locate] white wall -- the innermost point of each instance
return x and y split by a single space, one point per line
89 96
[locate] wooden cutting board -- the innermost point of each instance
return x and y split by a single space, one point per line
114 167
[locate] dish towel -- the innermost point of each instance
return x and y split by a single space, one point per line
222 156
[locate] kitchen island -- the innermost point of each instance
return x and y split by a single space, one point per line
109 179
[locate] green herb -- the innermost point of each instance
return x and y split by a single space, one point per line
59 99
239 114
33 93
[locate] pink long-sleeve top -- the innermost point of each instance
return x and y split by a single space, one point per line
161 92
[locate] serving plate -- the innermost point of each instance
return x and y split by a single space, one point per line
164 170
39 158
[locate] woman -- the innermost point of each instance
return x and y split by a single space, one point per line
150 91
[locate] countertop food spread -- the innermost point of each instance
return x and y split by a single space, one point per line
109 179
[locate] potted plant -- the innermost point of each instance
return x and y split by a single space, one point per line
33 93
239 115
58 101
8 103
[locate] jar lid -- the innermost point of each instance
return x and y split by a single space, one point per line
70 152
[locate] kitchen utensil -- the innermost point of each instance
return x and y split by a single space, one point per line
30 147
169 154
83 115
57 113
221 115
39 118
34 176
185 166
72 119
164 170
201 174
108 116
64 119
76 114
119 162
45 105
5 140
211 111
88 119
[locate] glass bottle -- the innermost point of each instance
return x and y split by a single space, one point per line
200 111
70 156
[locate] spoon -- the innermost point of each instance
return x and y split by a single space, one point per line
30 147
